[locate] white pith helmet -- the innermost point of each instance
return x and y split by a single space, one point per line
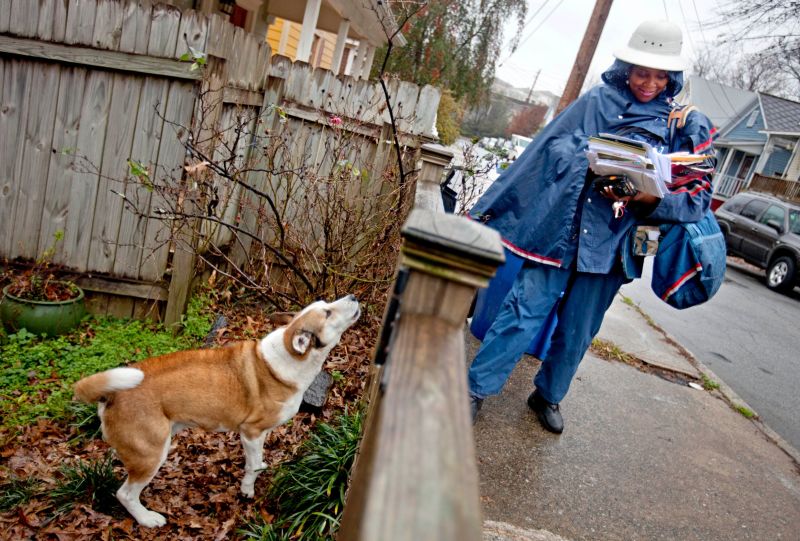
655 44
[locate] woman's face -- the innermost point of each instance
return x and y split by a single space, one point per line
647 83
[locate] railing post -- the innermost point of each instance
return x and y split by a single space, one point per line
434 159
416 477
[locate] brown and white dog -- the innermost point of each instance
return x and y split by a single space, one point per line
250 387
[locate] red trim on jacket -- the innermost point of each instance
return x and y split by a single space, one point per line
532 256
702 146
524 253
704 185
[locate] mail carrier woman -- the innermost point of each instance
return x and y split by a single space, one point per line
573 237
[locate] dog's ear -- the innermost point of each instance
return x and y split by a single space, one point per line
281 318
301 341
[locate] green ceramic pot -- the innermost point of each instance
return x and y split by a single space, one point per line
41 317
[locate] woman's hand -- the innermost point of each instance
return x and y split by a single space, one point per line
639 197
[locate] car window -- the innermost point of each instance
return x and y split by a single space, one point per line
735 204
774 212
754 208
794 222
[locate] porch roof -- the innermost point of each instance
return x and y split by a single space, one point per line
370 20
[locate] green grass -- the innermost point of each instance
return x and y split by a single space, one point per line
91 482
747 412
37 373
708 383
17 491
310 489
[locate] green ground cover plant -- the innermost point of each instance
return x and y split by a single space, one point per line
36 374
310 489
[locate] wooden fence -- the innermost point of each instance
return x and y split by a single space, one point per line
87 85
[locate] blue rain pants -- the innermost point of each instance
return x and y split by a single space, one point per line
525 309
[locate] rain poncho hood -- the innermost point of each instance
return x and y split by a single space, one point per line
534 202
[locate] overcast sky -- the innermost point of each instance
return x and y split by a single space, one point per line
550 40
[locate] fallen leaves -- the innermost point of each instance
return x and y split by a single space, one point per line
197 488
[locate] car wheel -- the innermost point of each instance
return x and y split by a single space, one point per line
780 274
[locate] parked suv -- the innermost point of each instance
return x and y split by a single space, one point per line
764 231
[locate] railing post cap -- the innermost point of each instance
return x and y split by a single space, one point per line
455 235
437 152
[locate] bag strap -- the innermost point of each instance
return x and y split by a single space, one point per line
677 120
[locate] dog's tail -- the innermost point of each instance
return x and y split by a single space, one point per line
93 388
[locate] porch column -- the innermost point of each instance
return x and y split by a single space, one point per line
367 67
338 50
358 63
307 33
285 29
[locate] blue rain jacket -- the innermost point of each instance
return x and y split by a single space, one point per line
542 206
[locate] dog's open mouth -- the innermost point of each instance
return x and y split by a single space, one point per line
357 314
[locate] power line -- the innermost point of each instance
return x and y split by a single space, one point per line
532 31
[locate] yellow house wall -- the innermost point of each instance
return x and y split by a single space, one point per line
274 38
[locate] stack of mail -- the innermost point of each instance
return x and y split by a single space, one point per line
649 170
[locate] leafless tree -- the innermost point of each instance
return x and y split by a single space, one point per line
771 30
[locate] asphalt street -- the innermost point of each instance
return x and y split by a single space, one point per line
747 334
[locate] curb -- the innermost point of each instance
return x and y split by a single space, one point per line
730 395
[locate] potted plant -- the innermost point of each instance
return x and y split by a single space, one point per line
38 302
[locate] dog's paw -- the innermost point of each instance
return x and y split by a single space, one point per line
248 491
151 519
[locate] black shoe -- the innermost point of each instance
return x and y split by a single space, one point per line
548 413
475 404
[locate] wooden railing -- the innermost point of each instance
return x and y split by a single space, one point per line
727 185
783 188
416 476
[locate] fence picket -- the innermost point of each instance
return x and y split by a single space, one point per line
113 169
108 25
427 104
178 114
91 134
13 116
192 32
5 16
165 21
61 173
146 141
37 138
44 28
80 22
24 18
59 21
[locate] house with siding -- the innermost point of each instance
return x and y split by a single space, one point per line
762 140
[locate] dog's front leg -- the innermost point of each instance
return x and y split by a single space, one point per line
253 461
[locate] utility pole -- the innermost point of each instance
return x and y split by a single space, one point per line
528 99
585 53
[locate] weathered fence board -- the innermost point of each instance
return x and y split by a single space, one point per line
108 25
80 22
13 117
164 31
116 151
61 174
180 102
91 134
37 140
25 14
147 138
5 15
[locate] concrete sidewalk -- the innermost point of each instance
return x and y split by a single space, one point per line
644 454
